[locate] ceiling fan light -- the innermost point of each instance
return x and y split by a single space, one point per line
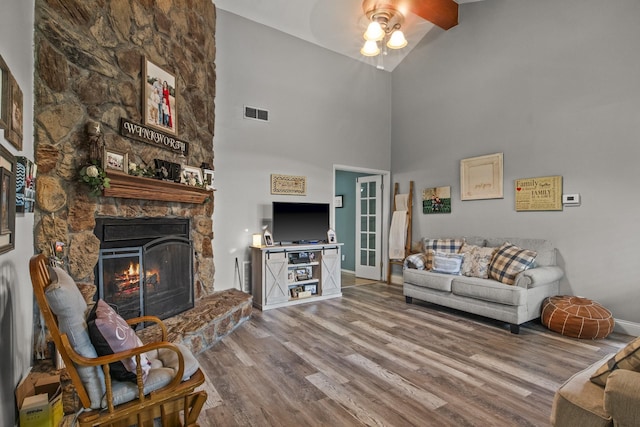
374 32
397 40
370 48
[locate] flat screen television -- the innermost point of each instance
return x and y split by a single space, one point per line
300 222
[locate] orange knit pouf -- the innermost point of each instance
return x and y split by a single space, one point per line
576 317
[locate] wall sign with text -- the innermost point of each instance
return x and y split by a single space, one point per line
539 194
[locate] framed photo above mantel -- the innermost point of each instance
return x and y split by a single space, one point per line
159 98
481 177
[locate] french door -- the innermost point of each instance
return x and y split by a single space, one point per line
369 227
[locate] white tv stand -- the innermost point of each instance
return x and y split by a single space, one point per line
294 274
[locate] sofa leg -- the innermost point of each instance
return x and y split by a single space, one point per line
408 300
515 329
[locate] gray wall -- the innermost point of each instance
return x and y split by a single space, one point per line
554 86
324 109
16 296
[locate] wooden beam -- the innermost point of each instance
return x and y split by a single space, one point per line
443 13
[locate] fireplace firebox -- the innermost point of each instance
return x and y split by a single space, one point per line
145 266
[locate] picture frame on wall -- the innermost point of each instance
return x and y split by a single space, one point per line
4 94
13 132
115 160
338 201
7 200
159 98
481 177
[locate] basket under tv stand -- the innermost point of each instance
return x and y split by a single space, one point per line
292 274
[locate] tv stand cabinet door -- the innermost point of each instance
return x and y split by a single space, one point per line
331 271
275 279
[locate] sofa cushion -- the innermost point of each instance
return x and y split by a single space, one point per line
488 290
627 358
508 261
440 245
447 263
428 279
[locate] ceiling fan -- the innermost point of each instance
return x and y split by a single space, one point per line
386 18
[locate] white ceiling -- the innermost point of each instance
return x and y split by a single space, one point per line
336 25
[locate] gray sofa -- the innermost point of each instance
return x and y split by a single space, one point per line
579 402
490 298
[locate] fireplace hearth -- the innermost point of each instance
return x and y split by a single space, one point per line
145 266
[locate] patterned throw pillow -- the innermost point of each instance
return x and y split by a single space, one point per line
509 261
431 246
467 251
111 334
480 261
417 261
447 263
627 358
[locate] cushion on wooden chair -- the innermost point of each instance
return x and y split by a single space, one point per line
69 306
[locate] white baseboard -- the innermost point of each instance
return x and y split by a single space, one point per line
626 327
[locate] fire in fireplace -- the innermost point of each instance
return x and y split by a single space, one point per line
154 277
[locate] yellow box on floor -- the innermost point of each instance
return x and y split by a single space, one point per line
39 398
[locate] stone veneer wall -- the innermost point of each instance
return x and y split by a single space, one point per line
89 56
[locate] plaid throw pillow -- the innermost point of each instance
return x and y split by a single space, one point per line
627 358
432 246
509 261
417 261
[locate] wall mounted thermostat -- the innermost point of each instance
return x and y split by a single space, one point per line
571 199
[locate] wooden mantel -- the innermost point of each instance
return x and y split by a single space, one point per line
135 187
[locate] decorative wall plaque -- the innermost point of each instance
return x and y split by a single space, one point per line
539 194
288 184
151 136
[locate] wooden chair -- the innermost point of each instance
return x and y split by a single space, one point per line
166 403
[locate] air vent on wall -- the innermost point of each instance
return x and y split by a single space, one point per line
256 113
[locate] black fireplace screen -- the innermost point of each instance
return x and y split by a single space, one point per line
153 279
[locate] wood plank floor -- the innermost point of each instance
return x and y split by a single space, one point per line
369 358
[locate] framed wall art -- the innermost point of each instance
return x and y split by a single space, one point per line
25 185
288 185
338 201
481 177
7 200
436 200
159 98
13 133
543 193
4 95
115 160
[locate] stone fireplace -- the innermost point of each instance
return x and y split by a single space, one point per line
145 266
89 68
